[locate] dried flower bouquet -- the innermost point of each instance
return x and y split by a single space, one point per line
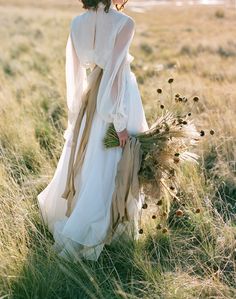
164 146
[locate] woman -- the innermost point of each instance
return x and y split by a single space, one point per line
76 205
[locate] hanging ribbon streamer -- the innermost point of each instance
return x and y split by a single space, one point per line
88 107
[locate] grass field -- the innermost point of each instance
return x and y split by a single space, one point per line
197 257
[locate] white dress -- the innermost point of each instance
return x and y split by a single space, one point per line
100 38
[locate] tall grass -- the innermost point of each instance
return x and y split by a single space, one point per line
196 258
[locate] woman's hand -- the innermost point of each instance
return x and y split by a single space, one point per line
123 136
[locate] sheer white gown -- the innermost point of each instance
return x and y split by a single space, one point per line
103 39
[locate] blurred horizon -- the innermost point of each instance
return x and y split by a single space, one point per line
140 5
130 2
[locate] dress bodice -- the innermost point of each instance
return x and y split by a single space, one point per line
103 39
94 34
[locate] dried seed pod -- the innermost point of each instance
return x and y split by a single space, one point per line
167 129
144 206
196 99
165 230
179 213
212 132
202 133
171 80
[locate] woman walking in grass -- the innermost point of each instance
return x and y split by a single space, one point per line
77 204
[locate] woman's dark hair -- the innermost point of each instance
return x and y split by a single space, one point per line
93 4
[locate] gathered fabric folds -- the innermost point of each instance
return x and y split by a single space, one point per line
126 183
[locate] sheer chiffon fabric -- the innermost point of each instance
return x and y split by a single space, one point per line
103 39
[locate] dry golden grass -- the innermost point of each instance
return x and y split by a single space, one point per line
197 257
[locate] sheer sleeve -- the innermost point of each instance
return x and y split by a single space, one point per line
110 100
75 84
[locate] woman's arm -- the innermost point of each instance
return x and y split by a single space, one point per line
111 102
75 84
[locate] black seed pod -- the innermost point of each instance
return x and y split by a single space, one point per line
144 206
141 231
202 133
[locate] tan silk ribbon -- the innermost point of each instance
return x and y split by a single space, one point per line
126 181
88 107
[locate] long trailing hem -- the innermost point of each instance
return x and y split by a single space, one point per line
85 232
72 250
